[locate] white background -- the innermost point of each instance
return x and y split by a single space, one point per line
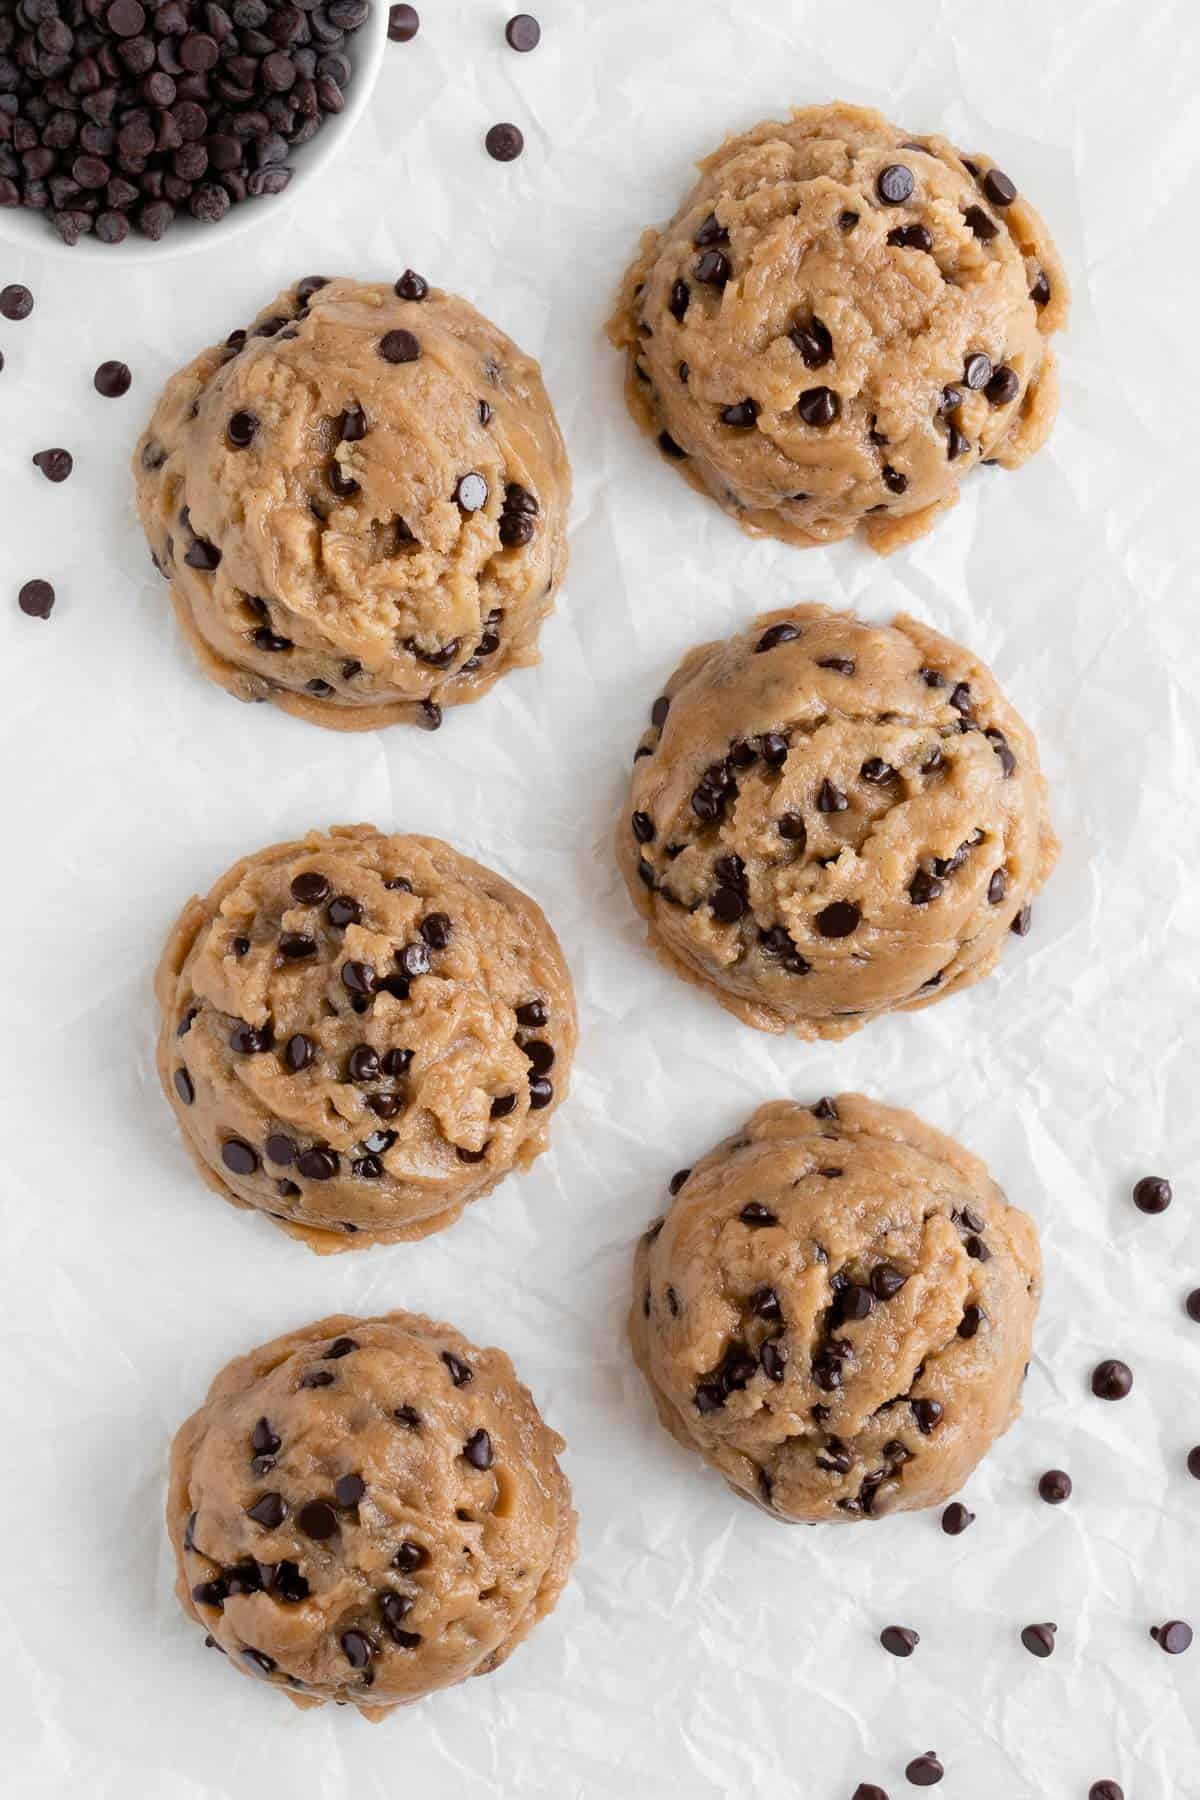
700 1649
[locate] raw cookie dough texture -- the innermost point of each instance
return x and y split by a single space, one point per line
360 504
369 1510
836 1310
839 322
828 820
361 1033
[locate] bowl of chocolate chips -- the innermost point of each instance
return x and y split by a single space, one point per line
139 128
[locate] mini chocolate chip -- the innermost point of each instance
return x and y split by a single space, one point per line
1152 1194
184 1087
643 827
1192 1305
773 1358
668 446
1003 386
317 1519
1054 1486
819 406
503 1105
399 347
677 1181
727 905
956 1518
409 1557
1112 1379
504 142
540 1054
957 443
886 1280
847 221
478 1450
984 228
899 1640
411 286
710 232
210 1593
894 184
239 1157
112 379
1174 1637
241 429
925 1771
741 415
409 1417
1039 1639
317 1163
867 1790
251 1040
998 188
756 1215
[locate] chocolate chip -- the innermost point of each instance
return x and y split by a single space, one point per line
925 1771
894 184
911 237
819 406
1192 1305
359 977
713 268
533 1014
296 946
317 1378
1039 293
298 1052
899 1640
867 1790
460 1373
831 799
814 342
876 771
478 1450
1054 1486
184 1087
55 465
1193 1462
927 1413
677 300
1039 1639
977 370
847 221
348 1490
204 556
1174 1637
36 599
540 1054
793 829
239 1157
344 910
1152 1194
1003 387
251 1040
997 886
16 301
504 142
998 188
756 1215
839 919
956 1518
710 232
1106 1790
1112 1380
112 379
399 347
742 415
210 1593
403 23
972 1319
924 888
269 1511
317 1519
957 443
783 633
1021 922
541 1092
668 446
984 228
764 1304
356 1648
523 32
318 1163
241 429
471 492
773 1357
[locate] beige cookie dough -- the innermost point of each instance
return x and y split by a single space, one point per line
362 1033
360 504
368 1510
828 820
839 323
836 1310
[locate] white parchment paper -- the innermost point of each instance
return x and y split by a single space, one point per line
700 1649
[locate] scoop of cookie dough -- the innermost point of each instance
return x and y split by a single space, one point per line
361 1033
836 1310
368 1510
829 820
360 503
839 323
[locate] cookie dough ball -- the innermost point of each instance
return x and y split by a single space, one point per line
368 1510
839 323
361 1033
360 504
836 1310
829 820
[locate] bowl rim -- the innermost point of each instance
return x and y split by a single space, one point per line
25 228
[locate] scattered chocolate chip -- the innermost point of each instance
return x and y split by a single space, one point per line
1152 1194
1174 1637
541 1092
1039 1639
359 977
36 599
296 946
710 232
957 443
1112 1379
972 1319
471 493
55 465
112 379
403 23
925 1771
956 1518
16 301
317 1519
1106 1790
841 665
344 910
1192 1305
773 1357
899 1640
783 633
504 142
894 184
1054 1486
1193 1462
239 1157
847 221
997 887
523 32
893 480
533 1014
867 1790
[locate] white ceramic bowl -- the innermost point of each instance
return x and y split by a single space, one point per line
30 230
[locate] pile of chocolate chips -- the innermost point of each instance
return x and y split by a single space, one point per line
120 114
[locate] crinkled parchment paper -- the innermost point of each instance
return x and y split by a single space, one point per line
701 1649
